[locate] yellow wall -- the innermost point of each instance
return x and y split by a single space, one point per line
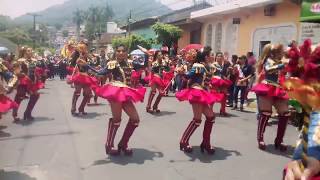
286 12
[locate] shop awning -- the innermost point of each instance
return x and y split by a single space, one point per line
310 11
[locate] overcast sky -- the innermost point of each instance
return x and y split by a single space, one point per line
15 8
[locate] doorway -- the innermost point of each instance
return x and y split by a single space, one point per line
195 36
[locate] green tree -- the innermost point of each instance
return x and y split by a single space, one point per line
167 34
95 19
92 17
65 33
5 23
58 26
78 19
42 35
132 41
17 36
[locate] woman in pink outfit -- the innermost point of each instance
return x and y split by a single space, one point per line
121 96
201 101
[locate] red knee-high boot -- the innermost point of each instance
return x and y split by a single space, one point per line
75 98
206 145
112 131
83 104
19 97
95 99
223 105
156 103
18 100
150 99
262 123
123 144
282 126
32 102
184 142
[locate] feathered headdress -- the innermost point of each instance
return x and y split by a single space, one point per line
68 48
306 88
82 47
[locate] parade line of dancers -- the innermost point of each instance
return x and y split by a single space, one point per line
204 79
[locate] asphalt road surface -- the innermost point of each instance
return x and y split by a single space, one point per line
57 146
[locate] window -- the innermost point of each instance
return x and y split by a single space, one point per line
209 35
218 37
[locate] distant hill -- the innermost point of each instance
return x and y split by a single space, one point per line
63 12
8 44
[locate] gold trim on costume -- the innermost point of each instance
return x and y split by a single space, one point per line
197 86
118 84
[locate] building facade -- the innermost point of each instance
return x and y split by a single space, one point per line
239 26
182 18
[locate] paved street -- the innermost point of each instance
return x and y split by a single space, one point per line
57 146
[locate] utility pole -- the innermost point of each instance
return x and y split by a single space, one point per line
34 27
106 17
129 22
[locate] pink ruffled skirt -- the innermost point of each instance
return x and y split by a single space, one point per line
31 86
120 94
136 75
70 69
269 90
36 86
156 80
82 79
167 77
6 104
199 96
217 82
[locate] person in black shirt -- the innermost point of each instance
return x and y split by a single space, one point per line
63 69
245 73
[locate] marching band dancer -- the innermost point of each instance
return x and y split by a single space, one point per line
303 86
220 82
121 97
82 80
201 101
271 94
96 64
156 82
29 82
5 102
168 75
139 66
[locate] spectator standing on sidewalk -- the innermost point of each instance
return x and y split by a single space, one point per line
252 62
232 76
245 73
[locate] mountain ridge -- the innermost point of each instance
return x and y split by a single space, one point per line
62 13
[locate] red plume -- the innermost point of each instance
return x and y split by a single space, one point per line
294 56
312 67
305 49
315 56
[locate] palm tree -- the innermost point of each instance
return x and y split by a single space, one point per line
78 18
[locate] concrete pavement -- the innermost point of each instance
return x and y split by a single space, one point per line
57 146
